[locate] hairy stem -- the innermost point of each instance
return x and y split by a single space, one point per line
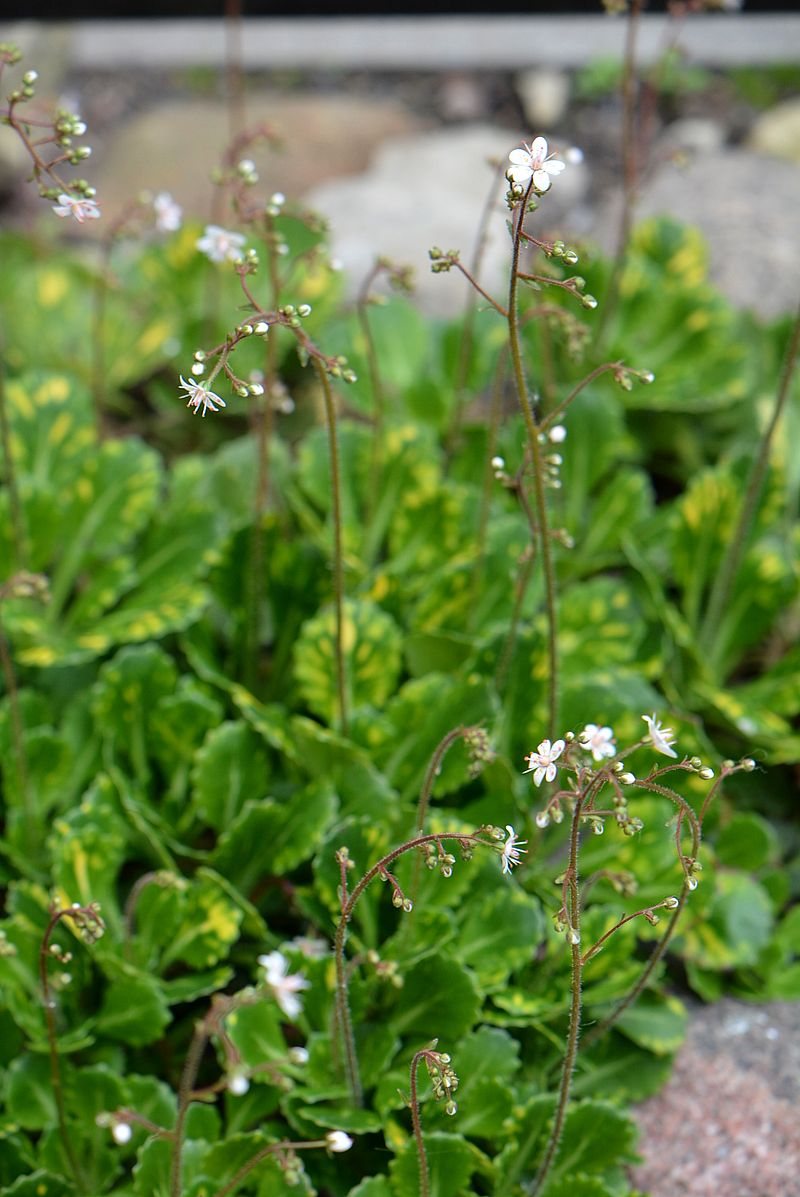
535 452
725 576
185 1089
422 1157
344 1024
573 1033
52 1042
338 562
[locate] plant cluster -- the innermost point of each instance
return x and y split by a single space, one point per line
293 905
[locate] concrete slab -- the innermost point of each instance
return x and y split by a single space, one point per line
416 43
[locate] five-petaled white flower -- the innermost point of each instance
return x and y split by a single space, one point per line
77 206
510 855
542 761
220 245
338 1141
168 213
200 398
284 986
599 741
533 162
660 737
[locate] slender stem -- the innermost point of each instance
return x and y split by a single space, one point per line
481 291
641 984
538 471
338 563
726 574
52 1041
553 415
573 1033
343 1023
261 1154
470 309
234 70
99 311
20 539
188 1077
488 484
629 167
424 1175
376 385
433 770
523 581
17 737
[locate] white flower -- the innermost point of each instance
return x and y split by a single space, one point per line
77 206
219 245
311 946
338 1141
660 737
168 213
543 761
121 1133
200 398
599 741
510 855
532 162
284 986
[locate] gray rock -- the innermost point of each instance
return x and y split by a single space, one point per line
696 134
777 131
175 145
745 205
431 190
544 95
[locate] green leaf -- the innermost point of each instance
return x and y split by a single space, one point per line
579 1186
230 768
272 837
451 1162
87 848
210 926
596 1135
439 997
496 933
39 1184
256 1033
656 1021
134 1011
29 1092
737 926
746 841
372 1186
371 646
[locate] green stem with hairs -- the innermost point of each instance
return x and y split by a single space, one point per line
535 452
726 574
573 1033
629 168
338 562
344 1022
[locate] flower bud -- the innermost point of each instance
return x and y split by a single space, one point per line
706 773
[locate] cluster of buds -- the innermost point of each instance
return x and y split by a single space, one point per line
386 970
563 926
479 749
443 1078
691 868
399 900
625 376
75 198
441 261
24 585
437 858
558 249
86 920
